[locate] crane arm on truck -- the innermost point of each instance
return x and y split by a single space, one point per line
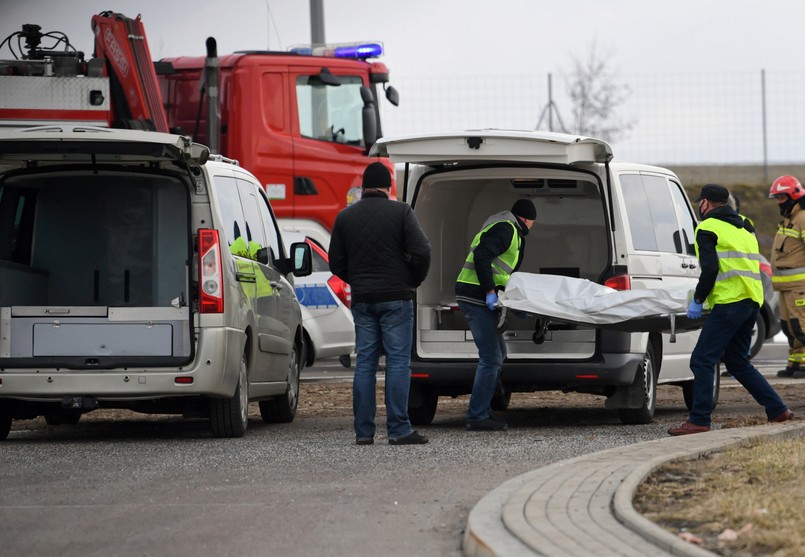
121 41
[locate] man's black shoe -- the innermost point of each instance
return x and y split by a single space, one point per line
787 372
487 424
412 438
364 440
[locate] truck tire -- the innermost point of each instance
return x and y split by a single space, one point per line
282 409
646 380
229 417
422 404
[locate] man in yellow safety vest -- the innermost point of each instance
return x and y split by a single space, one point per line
730 283
495 253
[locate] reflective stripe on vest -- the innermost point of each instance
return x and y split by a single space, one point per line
504 264
738 264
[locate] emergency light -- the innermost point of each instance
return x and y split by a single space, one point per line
353 51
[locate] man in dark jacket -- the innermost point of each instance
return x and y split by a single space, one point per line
495 253
379 248
730 283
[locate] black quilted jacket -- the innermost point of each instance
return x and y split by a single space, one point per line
379 248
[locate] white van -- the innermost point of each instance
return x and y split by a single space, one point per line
137 272
614 223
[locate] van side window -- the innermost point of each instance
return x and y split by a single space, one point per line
685 216
330 113
255 235
234 223
639 212
651 213
270 223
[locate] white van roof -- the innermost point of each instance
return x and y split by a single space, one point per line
493 145
63 143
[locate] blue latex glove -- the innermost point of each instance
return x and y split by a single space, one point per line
491 300
694 310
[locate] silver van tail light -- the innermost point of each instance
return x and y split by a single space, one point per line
211 293
619 282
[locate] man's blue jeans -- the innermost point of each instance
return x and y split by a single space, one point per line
390 326
483 323
728 332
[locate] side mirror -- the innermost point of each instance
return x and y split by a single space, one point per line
262 256
301 259
392 95
369 118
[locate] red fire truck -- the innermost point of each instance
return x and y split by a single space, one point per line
302 121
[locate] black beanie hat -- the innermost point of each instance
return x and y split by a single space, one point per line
376 175
524 208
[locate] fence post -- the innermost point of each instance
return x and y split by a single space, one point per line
763 108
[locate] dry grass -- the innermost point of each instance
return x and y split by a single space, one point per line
752 493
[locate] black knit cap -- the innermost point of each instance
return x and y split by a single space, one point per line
714 192
524 208
376 175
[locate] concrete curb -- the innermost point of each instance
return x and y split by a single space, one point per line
583 506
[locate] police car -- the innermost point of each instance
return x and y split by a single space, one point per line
325 299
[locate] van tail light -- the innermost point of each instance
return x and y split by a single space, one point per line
341 289
619 282
211 292
765 268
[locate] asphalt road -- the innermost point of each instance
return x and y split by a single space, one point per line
143 486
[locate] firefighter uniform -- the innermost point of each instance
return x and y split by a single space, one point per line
788 267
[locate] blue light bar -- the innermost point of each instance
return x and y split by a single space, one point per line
359 52
352 51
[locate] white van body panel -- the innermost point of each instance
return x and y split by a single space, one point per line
596 217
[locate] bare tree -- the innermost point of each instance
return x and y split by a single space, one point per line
596 94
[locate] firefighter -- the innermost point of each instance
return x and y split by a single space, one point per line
788 267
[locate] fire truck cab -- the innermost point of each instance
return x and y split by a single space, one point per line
302 121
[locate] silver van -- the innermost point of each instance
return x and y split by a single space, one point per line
620 224
139 272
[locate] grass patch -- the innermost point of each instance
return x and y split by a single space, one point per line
755 491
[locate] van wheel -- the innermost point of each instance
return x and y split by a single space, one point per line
67 417
758 336
422 404
230 416
5 425
646 381
687 389
282 409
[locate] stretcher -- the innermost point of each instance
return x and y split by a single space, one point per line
554 298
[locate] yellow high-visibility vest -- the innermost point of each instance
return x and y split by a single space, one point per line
738 264
504 264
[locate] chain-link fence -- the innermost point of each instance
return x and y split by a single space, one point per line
716 118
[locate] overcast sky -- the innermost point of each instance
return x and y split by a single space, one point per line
465 38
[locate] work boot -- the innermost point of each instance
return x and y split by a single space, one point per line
790 369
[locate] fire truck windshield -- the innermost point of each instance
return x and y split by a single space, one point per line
331 113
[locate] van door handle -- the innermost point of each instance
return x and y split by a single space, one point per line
693 265
275 284
245 277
